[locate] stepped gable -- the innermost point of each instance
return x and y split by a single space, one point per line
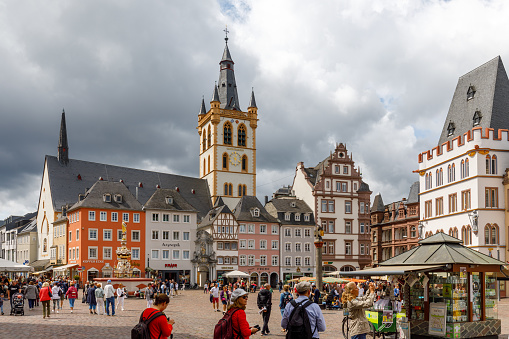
484 90
244 210
67 182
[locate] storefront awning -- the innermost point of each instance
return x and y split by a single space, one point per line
389 270
65 267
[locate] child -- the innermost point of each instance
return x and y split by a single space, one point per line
2 303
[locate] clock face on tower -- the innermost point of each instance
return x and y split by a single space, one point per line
234 158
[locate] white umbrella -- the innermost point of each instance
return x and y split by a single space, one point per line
236 274
11 266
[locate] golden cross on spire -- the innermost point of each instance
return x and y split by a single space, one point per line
226 31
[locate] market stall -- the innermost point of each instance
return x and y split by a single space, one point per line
448 290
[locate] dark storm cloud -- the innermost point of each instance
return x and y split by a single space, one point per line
131 75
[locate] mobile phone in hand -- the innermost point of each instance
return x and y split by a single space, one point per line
257 327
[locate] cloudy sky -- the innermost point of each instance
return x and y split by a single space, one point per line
376 75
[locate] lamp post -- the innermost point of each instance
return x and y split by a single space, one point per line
148 264
319 245
474 218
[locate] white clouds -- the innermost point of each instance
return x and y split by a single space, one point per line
376 75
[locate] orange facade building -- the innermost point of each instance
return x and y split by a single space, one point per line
95 230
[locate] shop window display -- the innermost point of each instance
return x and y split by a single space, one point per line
476 297
417 301
451 289
491 296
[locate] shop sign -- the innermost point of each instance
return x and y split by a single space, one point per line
226 268
72 261
93 261
170 245
437 313
327 262
170 265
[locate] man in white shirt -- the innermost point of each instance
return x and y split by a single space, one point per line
109 294
361 290
215 297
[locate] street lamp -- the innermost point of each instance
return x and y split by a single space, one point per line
148 263
319 244
474 218
421 230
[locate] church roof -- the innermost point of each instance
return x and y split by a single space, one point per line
226 85
245 207
226 54
67 182
203 110
484 89
252 101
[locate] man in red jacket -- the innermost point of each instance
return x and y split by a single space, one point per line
160 327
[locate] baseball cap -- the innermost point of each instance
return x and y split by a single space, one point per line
109 281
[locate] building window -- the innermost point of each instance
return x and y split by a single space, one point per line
288 261
92 252
465 200
275 260
136 217
263 229
242 259
185 236
288 232
155 235
297 217
348 207
244 163
103 216
477 118
428 212
324 206
155 217
251 260
166 217
470 92
176 218
453 202
263 260
219 245
275 229
491 195
91 215
114 216
413 232
187 219
307 232
209 137
166 254
348 226
450 129
464 168
330 228
362 249
135 235
107 253
297 261
298 232
92 234
348 248
306 217
176 254
242 244
250 228
166 235
228 189
125 217
331 206
491 164
241 138
287 216
263 244
107 235
251 244
242 228
307 247
361 228
225 161
227 133
135 253
155 254
275 245
288 247
439 206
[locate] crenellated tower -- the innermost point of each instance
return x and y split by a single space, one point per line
228 138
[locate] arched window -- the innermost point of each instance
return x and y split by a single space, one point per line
488 164
226 188
469 235
241 137
487 231
225 161
450 232
437 178
494 164
208 165
204 143
455 232
464 235
244 163
240 190
466 168
227 133
45 245
494 234
209 140
244 189
453 176
441 177
204 167
462 169
230 190
449 173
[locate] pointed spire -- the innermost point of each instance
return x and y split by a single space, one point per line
63 147
202 109
252 101
215 96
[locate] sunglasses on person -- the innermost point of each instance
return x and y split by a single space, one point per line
245 297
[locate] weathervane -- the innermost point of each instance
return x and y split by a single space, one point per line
226 31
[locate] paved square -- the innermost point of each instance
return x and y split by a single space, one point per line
192 311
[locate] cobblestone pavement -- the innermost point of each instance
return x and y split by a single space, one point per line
192 311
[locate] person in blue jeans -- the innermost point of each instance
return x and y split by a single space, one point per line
109 294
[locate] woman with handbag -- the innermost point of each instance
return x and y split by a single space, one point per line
45 297
121 293
72 294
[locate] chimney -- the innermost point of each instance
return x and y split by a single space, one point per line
266 199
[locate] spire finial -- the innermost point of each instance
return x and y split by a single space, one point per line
226 31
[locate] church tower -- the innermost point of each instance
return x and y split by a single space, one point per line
63 147
228 138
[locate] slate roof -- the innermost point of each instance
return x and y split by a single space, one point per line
226 85
413 195
158 201
279 206
203 110
441 249
95 197
30 227
378 204
252 101
14 222
213 214
66 186
245 206
312 174
363 187
491 98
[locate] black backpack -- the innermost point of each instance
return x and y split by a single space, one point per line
299 326
141 331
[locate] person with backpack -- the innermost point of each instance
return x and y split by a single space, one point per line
234 323
57 292
153 322
359 325
72 294
302 318
264 302
284 300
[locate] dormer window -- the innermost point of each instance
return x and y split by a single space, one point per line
107 197
287 216
297 217
306 217
470 93
477 118
293 204
169 200
118 198
256 212
450 129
